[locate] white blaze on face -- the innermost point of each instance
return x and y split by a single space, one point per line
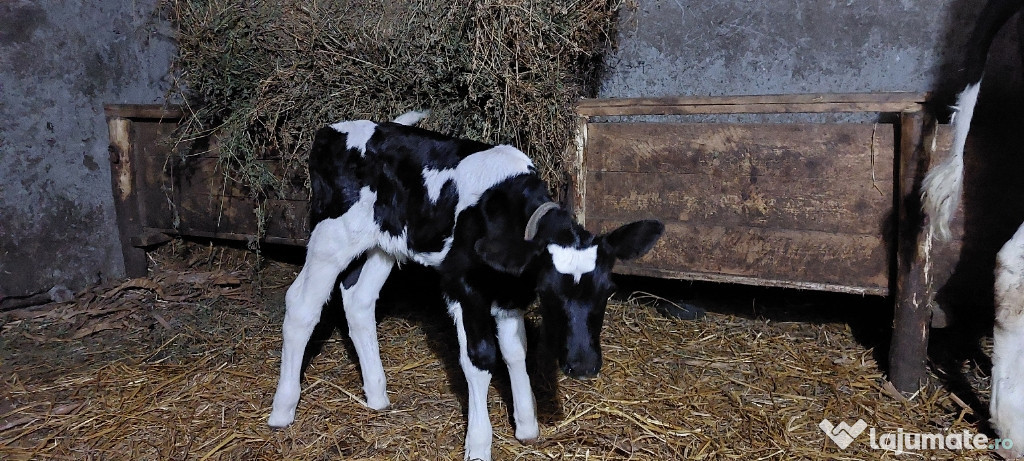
573 261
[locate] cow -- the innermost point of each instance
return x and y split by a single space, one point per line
941 191
383 194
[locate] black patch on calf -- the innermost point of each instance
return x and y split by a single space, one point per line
350 275
333 175
397 155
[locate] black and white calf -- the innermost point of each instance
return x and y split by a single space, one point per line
942 189
391 192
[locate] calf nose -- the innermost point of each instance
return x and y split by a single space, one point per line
582 369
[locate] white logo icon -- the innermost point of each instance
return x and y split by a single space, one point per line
842 434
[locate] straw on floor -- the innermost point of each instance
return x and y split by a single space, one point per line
183 364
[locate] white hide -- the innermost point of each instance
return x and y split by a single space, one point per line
512 342
943 185
435 180
333 244
1007 405
360 305
482 170
573 261
478 432
412 117
357 133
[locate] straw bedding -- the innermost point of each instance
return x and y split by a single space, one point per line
183 365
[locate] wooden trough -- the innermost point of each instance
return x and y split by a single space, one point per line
822 206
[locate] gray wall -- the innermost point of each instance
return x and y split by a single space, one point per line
60 61
700 47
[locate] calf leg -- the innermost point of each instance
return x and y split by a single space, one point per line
512 341
303 303
360 300
333 245
1007 405
478 434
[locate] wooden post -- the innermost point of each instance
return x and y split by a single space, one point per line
578 188
908 352
125 196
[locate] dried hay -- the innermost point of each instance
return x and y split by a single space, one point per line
265 76
188 366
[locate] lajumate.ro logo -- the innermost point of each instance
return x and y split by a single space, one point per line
843 435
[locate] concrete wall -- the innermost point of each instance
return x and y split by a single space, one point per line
60 61
699 47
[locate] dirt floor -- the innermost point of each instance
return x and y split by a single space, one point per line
183 364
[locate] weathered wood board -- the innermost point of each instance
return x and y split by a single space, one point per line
167 189
802 205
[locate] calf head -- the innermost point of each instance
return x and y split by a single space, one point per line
573 269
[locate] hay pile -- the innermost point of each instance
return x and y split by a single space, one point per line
264 76
190 370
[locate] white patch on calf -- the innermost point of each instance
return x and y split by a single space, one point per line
478 434
511 329
435 180
1007 405
359 302
333 244
434 259
943 184
412 117
573 261
357 133
482 170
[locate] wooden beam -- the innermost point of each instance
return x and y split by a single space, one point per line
238 237
908 352
144 111
126 202
755 104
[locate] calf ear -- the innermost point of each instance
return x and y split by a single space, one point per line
507 255
635 239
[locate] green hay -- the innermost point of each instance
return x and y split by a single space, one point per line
264 76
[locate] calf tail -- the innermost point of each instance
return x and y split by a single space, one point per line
412 117
943 185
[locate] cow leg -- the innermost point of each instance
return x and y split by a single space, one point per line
360 301
1007 405
478 434
332 246
512 341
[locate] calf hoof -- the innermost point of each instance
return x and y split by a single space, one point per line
378 403
527 436
279 419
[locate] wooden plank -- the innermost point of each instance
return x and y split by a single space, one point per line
834 178
805 150
168 113
126 204
229 236
201 175
854 263
285 219
647 271
800 204
153 157
909 348
804 103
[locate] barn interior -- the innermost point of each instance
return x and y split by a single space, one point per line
162 340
